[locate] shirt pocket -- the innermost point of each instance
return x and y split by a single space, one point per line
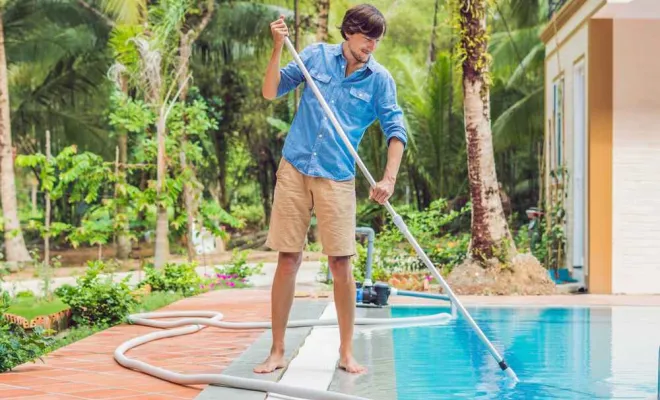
359 100
320 77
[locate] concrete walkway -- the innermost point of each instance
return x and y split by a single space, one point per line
307 278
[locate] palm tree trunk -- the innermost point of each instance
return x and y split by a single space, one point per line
432 45
14 242
162 251
123 239
185 49
490 231
185 52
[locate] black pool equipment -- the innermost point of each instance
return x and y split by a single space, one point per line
376 295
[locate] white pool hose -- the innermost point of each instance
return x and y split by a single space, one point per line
194 321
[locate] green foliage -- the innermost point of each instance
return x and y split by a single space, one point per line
155 301
83 178
472 44
179 278
130 114
548 236
238 267
378 271
223 281
437 229
97 300
16 345
72 335
248 215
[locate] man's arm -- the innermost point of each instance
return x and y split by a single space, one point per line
391 121
394 156
272 77
385 187
271 83
278 82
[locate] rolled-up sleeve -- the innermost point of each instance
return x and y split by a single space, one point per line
389 113
291 75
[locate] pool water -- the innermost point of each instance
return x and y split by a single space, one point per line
557 353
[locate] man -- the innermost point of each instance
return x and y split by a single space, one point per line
317 171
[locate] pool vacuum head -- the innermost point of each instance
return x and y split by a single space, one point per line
376 295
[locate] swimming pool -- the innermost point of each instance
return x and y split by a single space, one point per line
558 353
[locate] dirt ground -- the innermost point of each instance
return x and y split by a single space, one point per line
73 261
524 276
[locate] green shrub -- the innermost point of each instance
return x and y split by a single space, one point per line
435 231
25 294
18 346
97 302
238 268
181 278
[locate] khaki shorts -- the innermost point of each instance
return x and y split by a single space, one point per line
296 197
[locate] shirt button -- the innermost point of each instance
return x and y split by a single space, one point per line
320 135
314 153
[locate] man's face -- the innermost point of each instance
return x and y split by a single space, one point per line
361 46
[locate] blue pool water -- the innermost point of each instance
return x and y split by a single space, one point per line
557 353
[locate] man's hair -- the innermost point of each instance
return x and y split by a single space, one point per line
365 19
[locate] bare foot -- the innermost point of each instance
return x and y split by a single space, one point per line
348 364
273 362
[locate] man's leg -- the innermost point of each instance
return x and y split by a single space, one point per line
289 222
344 296
335 207
282 294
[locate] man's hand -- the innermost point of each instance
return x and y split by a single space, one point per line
279 30
383 190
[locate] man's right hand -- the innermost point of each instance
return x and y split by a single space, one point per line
279 30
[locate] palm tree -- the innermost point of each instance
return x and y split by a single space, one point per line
490 231
14 242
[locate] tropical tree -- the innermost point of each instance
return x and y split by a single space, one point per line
14 242
491 236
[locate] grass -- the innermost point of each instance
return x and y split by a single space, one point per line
31 307
156 300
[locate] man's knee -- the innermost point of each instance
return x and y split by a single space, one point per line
341 268
289 263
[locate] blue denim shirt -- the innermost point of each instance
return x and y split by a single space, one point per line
312 145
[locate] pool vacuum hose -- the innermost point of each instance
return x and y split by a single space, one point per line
193 321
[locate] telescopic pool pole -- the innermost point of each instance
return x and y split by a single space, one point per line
398 221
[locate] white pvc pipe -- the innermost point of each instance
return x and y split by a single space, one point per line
194 321
398 221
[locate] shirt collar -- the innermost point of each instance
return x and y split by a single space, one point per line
337 51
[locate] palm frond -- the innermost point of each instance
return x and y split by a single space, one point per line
527 12
532 62
516 123
130 12
238 29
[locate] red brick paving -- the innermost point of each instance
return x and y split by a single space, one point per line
87 370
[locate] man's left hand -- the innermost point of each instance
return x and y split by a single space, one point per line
382 191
